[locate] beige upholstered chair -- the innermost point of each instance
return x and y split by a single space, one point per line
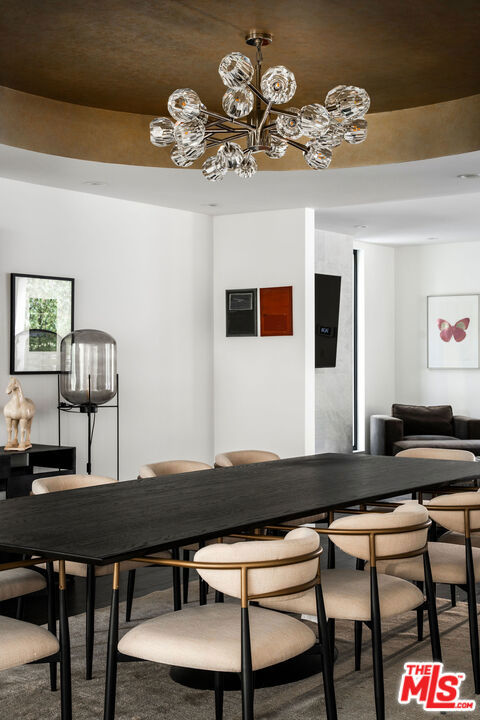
209 637
61 483
457 538
451 563
22 643
437 454
362 595
171 467
244 457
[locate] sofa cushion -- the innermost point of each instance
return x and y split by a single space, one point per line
448 443
425 419
430 437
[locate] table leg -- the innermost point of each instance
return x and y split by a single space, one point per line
111 676
65 673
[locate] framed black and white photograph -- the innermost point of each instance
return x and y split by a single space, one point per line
241 310
41 314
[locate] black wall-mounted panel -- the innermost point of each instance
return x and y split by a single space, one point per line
327 306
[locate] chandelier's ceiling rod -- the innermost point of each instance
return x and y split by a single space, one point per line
270 129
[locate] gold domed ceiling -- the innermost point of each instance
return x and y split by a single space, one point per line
99 71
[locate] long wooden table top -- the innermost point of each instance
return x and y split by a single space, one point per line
109 523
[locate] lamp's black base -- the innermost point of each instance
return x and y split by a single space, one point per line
298 668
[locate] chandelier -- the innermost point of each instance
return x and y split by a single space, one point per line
254 122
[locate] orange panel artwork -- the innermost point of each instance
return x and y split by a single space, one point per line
276 311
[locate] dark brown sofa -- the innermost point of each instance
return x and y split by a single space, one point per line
412 426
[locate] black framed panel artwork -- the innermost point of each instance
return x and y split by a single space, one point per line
241 312
41 314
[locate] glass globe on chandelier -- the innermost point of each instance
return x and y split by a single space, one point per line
254 119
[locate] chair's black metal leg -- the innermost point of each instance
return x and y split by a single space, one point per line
419 584
65 670
112 656
90 622
185 577
202 585
219 683
52 619
331 636
432 610
453 595
19 613
130 591
358 644
177 593
247 673
377 646
327 656
219 597
472 615
360 565
331 555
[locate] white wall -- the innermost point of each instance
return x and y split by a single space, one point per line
144 274
333 386
443 269
264 386
377 347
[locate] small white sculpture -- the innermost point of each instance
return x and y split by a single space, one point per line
19 412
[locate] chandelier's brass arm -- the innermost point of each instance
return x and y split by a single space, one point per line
258 93
279 111
262 121
294 144
230 120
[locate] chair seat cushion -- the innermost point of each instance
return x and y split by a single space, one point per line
346 594
23 642
208 638
447 561
456 538
80 569
429 437
445 442
20 581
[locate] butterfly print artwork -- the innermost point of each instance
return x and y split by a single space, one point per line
457 331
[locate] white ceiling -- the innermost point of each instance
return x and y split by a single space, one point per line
405 203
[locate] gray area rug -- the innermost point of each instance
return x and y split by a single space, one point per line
147 692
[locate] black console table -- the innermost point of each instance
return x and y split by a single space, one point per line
17 469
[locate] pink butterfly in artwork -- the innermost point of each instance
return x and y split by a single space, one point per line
457 331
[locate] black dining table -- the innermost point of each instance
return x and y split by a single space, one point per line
110 523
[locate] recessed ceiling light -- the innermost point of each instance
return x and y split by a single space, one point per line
94 183
210 204
432 238
360 227
469 176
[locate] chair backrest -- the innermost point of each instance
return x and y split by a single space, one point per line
437 454
57 483
296 543
400 540
244 457
456 520
171 467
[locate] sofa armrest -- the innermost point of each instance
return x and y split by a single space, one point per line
466 428
385 431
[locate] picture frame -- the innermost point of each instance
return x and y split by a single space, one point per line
41 314
453 331
276 311
241 312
